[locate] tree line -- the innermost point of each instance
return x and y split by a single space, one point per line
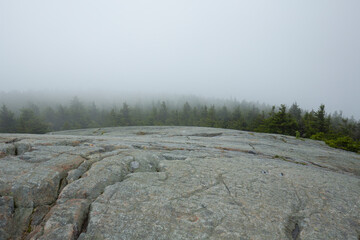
336 130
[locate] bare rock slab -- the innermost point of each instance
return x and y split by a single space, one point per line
176 183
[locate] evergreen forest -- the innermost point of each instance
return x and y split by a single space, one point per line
334 129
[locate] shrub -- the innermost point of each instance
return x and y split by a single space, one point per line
346 143
318 136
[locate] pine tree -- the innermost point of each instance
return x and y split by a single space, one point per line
211 117
321 123
78 114
223 117
49 117
7 121
310 124
163 114
29 122
125 119
280 122
185 115
203 116
295 112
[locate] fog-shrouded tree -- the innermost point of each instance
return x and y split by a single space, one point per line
235 118
7 120
203 112
357 131
223 117
322 123
138 116
251 117
152 117
335 130
112 119
211 117
163 114
194 116
78 115
62 118
29 122
49 116
94 116
280 122
185 119
310 126
125 118
174 118
295 112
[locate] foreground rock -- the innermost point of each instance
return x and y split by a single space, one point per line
176 183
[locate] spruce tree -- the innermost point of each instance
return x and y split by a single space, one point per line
29 122
7 121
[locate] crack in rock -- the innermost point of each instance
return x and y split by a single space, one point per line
221 180
13 140
86 221
293 227
115 169
236 150
205 135
196 191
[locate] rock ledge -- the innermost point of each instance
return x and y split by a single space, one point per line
176 183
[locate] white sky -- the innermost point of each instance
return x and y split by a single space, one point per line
278 51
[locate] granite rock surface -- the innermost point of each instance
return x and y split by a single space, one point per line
176 183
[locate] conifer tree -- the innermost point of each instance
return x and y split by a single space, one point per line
29 122
7 120
295 112
185 115
163 113
321 123
125 119
211 117
310 124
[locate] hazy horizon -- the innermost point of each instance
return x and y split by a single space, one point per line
17 100
271 52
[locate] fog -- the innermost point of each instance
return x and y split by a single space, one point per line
268 51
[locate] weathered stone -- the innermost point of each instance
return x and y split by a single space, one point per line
101 174
11 168
144 162
65 220
176 183
84 167
78 172
222 199
107 172
134 165
6 216
39 214
6 149
66 232
169 156
40 185
21 224
21 148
